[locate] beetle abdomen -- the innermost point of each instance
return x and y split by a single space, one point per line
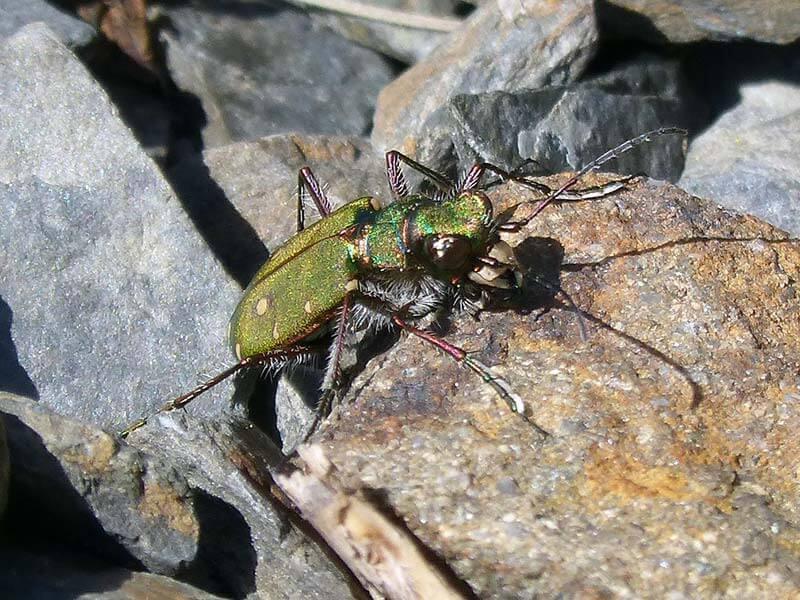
294 299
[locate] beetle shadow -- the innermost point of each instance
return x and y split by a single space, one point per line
541 261
697 396
13 377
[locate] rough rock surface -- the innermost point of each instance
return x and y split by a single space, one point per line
85 483
747 159
671 467
261 67
259 178
15 14
564 127
250 539
774 21
115 303
528 44
406 44
185 500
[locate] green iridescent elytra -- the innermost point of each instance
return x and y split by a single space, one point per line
301 284
305 281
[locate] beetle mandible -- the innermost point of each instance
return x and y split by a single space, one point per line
368 265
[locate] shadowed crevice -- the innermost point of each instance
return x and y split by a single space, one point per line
13 377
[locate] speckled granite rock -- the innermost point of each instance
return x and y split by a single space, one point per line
747 160
672 464
773 21
129 303
105 494
528 45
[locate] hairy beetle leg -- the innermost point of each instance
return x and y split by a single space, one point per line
270 358
308 183
397 181
514 402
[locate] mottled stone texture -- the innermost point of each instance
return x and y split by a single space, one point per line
747 159
672 461
108 497
773 21
261 67
503 46
110 301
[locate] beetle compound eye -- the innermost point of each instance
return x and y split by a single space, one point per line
448 252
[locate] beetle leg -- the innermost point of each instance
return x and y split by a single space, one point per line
514 402
595 191
476 173
615 152
277 356
307 182
332 371
397 180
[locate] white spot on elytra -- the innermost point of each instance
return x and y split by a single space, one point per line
351 285
307 306
261 306
275 331
238 350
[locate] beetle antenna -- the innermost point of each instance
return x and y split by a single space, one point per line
595 164
184 399
557 289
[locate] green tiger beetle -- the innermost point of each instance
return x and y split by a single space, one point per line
364 265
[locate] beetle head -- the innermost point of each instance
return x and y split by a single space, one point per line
448 235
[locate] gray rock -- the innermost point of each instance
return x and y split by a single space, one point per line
506 46
406 44
183 499
563 128
262 68
113 299
773 21
100 495
248 536
15 14
259 178
747 159
294 409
